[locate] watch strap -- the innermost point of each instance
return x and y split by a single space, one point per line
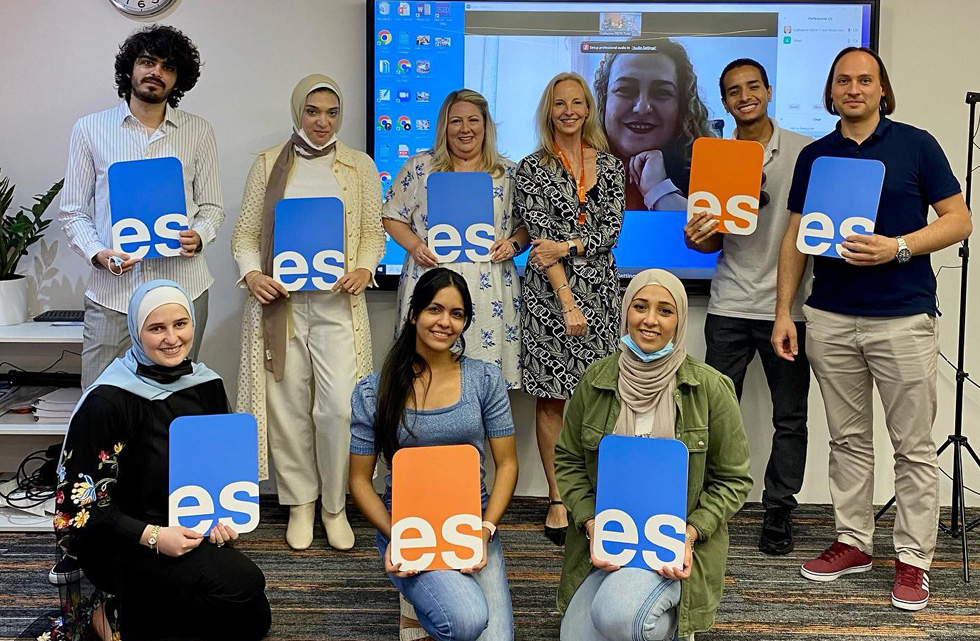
487 525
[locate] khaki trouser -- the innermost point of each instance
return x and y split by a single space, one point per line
899 354
309 409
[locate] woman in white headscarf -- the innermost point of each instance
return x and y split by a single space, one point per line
302 352
154 581
651 388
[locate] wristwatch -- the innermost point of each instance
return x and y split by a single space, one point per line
572 248
152 539
517 247
487 525
904 253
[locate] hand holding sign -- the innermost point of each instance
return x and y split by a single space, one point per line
841 200
436 521
460 208
214 470
625 499
148 209
308 243
726 179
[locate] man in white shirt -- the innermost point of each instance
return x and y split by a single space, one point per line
154 68
742 307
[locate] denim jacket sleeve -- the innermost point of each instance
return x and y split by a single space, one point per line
571 473
727 481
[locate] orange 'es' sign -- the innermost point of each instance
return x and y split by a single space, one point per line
436 518
726 178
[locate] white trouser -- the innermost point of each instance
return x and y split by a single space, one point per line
309 410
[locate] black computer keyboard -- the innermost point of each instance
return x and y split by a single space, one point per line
61 316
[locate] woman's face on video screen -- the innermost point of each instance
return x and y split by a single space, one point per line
642 104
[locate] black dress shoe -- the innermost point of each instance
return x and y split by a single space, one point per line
555 534
777 532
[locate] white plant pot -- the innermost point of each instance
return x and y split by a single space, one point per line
13 301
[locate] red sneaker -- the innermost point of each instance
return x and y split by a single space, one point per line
911 589
837 560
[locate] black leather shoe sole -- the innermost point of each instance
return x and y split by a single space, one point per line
776 547
556 534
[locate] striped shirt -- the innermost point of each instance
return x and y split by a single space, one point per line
101 139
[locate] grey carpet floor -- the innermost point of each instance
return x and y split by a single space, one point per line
323 594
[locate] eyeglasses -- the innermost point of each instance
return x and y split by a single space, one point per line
763 195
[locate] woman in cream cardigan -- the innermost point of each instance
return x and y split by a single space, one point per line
302 352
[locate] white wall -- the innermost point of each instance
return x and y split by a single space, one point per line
56 65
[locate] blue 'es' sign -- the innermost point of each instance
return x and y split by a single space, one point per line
308 243
214 472
641 502
841 200
147 207
460 210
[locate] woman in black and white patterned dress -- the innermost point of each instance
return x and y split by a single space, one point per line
570 194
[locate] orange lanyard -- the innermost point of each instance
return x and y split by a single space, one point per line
579 184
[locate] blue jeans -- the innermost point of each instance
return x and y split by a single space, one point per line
631 604
452 606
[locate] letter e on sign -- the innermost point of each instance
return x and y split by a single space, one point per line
436 512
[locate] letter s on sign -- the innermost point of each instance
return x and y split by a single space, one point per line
474 543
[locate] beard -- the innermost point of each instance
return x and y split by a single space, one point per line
143 92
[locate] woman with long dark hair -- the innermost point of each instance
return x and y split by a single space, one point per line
426 394
651 114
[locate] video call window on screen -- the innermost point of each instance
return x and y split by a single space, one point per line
672 53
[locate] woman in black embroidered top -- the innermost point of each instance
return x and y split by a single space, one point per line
153 582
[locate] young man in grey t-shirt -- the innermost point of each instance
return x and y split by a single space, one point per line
743 297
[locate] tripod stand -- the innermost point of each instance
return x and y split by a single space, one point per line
958 527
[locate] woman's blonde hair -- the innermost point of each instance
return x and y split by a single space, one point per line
592 133
490 159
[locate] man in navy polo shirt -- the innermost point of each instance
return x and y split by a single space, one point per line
872 317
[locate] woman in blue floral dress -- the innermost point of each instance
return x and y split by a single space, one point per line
153 581
466 141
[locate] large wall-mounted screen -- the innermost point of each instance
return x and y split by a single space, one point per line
420 51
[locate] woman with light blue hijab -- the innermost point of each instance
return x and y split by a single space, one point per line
112 496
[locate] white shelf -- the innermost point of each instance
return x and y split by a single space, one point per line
31 332
25 425
16 521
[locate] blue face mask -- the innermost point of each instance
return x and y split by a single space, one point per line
644 356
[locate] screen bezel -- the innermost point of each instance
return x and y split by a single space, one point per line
698 285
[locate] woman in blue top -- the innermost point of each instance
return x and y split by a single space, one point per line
428 394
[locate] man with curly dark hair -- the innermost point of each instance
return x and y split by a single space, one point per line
163 44
154 69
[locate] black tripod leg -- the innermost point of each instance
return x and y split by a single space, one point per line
976 522
884 508
958 494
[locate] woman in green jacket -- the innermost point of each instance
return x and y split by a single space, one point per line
651 388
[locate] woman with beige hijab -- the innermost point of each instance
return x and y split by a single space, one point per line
651 388
302 352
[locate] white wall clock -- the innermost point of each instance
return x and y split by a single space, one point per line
142 8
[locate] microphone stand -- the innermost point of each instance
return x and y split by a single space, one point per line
958 527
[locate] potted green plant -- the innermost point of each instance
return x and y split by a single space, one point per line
18 231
